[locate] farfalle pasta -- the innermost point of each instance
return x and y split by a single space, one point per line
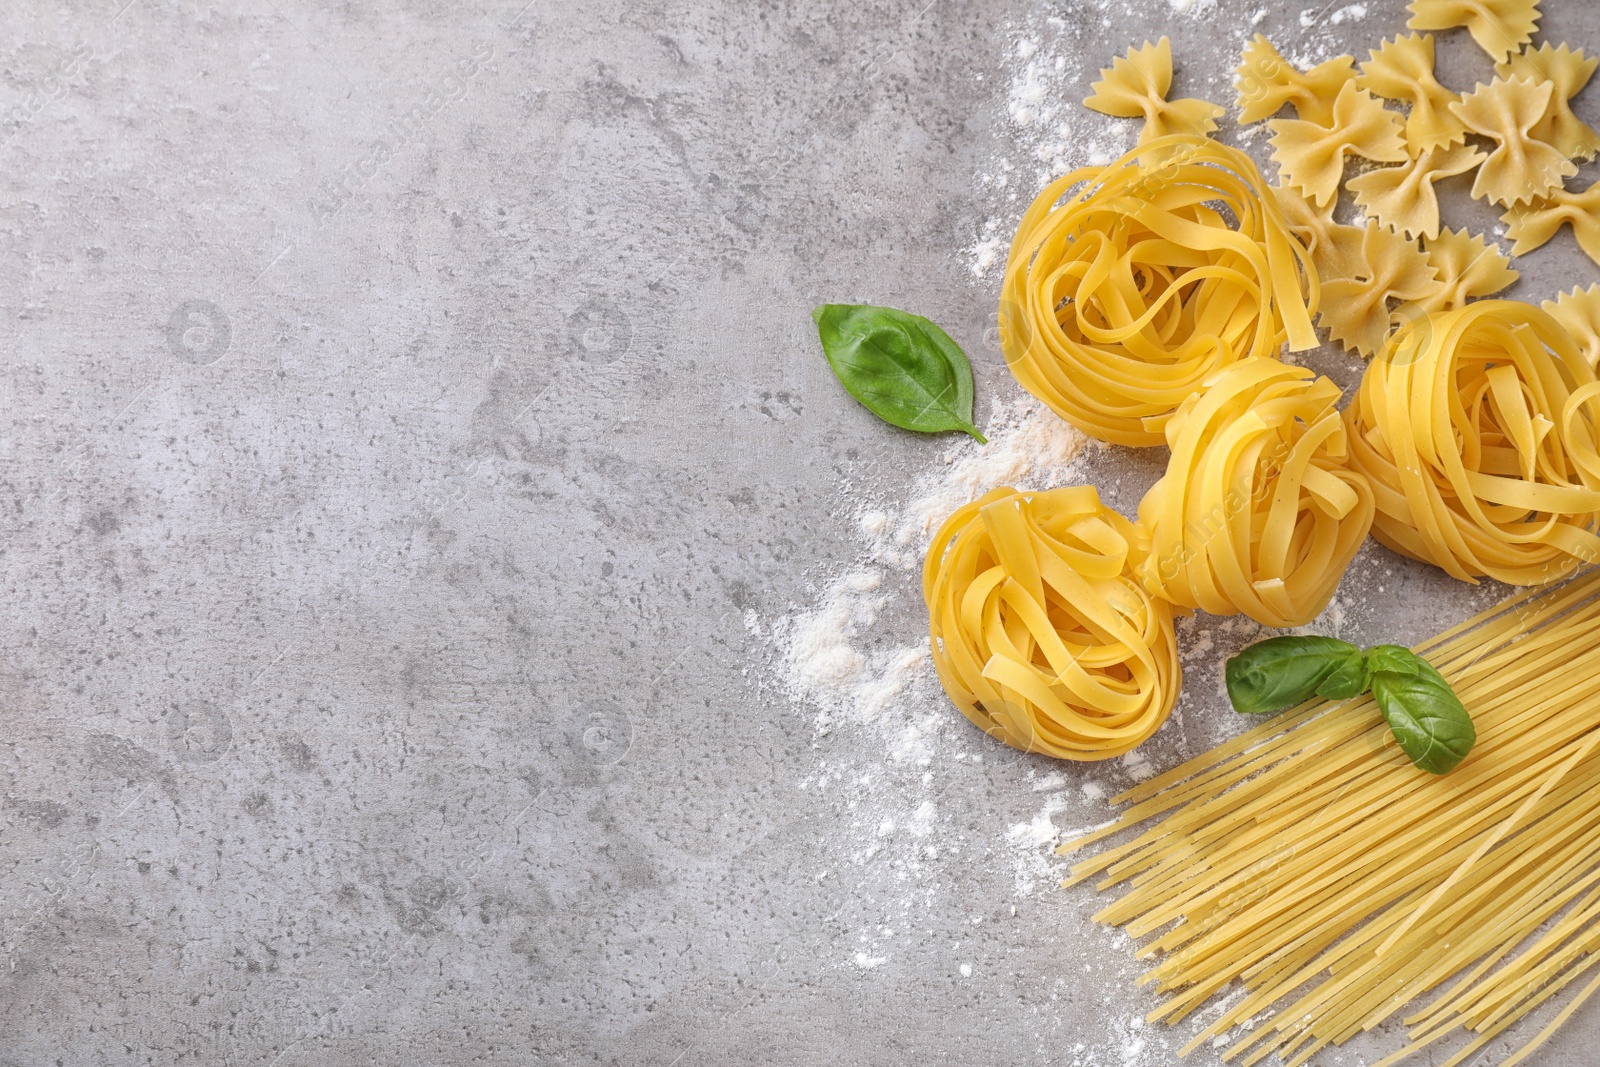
1402 69
1039 631
1335 247
1520 168
1265 82
1402 198
1356 310
1500 27
1258 512
1121 297
1466 267
1478 430
1578 312
1532 226
1567 71
1310 155
1136 86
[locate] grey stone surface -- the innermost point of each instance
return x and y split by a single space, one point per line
405 405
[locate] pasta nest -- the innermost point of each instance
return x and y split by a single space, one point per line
1147 276
1259 511
1478 429
1040 632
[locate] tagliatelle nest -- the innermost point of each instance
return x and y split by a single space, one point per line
1039 631
1259 512
1479 430
1128 285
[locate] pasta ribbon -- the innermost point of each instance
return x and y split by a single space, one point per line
1121 299
1258 511
1578 312
1499 26
1568 71
1403 198
1402 69
1039 631
1520 168
1136 85
1265 82
1479 429
1532 226
1355 309
1310 155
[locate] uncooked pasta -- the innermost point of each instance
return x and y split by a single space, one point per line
1479 430
1128 285
1258 511
1308 861
1039 631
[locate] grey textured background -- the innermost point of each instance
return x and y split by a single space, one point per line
379 528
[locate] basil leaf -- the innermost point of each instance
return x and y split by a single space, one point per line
902 367
1281 672
1396 659
1427 718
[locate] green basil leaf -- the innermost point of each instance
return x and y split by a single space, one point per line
1424 713
1281 672
902 367
1351 679
1396 659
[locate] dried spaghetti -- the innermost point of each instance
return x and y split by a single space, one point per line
1311 862
1150 274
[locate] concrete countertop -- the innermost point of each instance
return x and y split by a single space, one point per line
417 448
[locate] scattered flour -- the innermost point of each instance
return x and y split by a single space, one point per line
1048 132
1029 448
1041 831
829 651
859 661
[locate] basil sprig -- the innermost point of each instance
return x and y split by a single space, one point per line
1281 672
902 367
1424 714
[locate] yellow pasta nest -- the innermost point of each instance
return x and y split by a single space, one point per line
1478 429
1127 285
1258 512
1040 633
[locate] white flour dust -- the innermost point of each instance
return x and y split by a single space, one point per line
857 659
1047 132
830 659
